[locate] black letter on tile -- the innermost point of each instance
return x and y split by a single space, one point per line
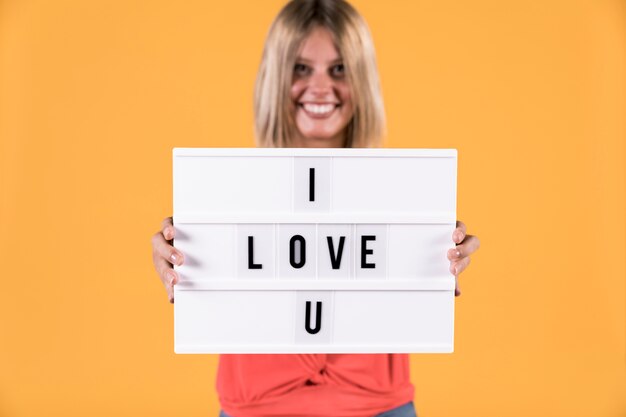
318 318
335 259
311 184
251 264
292 252
365 251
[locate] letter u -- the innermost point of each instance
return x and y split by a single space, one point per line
318 318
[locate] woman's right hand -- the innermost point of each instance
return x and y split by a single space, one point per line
165 256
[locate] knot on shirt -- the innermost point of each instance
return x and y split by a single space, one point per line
317 378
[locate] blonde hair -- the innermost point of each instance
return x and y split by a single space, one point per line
274 124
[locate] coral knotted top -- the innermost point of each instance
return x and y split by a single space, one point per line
355 385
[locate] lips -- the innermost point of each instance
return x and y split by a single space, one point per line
319 110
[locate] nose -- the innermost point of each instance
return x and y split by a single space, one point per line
320 84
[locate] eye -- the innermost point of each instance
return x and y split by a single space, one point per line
338 71
300 69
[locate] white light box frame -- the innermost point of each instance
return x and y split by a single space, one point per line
314 250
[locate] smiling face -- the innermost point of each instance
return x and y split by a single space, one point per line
320 93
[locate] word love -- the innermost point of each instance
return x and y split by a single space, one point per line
297 252
306 251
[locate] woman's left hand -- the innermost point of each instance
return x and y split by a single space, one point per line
459 256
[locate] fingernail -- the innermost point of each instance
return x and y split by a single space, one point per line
174 258
172 277
457 253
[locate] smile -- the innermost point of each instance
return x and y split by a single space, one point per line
319 110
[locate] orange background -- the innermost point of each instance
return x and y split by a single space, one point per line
95 94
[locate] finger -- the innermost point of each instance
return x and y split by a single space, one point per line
457 289
166 251
459 266
459 233
168 276
170 294
454 253
167 228
465 249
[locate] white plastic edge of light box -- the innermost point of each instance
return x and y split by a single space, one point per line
313 218
423 284
313 152
280 349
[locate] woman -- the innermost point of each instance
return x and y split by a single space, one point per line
317 86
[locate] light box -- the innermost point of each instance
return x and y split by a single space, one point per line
314 250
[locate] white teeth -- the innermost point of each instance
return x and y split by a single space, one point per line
319 108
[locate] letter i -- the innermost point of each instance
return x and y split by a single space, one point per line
311 184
